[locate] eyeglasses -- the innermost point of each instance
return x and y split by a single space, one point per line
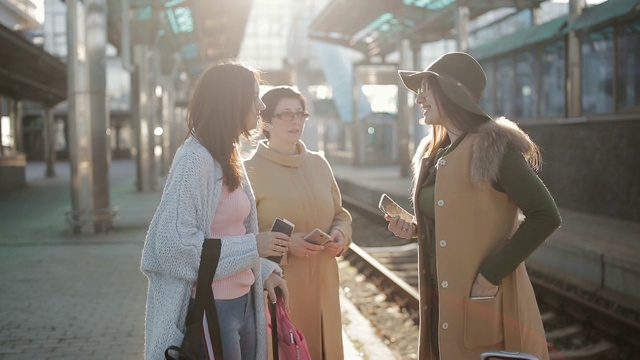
289 116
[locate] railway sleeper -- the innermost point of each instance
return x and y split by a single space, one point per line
601 350
548 316
565 332
398 260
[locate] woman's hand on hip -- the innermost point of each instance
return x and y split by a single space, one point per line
483 288
272 243
301 248
400 227
336 247
276 281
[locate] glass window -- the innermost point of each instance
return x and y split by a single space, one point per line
552 80
525 85
504 87
597 71
628 85
486 101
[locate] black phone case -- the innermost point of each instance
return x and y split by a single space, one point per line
280 226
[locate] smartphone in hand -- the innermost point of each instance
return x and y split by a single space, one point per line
282 226
317 237
391 208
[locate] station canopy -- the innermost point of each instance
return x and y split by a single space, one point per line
374 27
194 32
28 72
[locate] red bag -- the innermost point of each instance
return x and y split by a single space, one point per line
287 341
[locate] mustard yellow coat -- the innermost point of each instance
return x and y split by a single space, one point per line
472 220
302 189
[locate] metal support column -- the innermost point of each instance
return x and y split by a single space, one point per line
143 119
155 82
104 213
356 137
536 16
13 120
574 63
167 90
49 142
462 26
2 101
80 156
405 111
88 118
19 135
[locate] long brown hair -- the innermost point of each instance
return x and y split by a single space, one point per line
462 119
218 112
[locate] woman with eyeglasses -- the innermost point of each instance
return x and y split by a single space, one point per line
292 182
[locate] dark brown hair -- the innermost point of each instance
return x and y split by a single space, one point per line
271 99
218 112
462 119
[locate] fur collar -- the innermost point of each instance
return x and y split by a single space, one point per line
490 141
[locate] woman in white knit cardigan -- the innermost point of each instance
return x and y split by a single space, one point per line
207 195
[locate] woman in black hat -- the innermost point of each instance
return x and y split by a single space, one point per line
473 177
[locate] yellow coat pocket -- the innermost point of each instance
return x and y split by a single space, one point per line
483 322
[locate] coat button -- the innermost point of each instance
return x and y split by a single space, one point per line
445 284
445 325
442 162
443 243
441 203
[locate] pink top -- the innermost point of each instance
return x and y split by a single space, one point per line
228 220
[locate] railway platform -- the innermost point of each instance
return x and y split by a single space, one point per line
83 297
593 252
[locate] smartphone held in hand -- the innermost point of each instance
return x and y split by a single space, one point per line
282 226
317 237
391 208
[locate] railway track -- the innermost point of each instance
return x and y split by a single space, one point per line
579 323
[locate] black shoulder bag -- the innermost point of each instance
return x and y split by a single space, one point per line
194 345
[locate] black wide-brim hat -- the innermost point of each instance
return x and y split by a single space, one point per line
460 76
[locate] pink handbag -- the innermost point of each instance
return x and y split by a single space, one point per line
287 341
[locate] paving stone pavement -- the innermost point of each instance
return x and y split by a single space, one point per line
64 296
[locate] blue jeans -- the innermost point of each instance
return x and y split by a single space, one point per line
236 318
238 327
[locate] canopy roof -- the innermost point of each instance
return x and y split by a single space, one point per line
29 73
550 30
605 14
198 32
374 27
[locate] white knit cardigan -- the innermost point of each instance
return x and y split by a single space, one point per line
171 252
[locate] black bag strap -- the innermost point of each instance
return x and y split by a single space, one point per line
274 329
205 302
273 311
